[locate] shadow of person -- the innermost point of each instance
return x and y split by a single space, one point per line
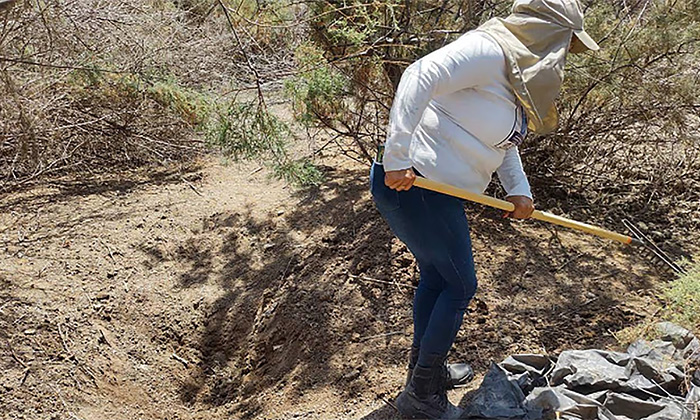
388 411
385 412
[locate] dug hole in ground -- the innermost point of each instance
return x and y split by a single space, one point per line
216 293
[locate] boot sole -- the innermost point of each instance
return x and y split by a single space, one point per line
408 408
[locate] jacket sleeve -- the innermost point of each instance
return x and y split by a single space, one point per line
467 62
512 175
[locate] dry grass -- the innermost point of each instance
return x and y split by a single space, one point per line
99 85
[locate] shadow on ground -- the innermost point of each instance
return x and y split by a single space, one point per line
294 317
62 189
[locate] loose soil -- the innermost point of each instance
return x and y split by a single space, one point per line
215 293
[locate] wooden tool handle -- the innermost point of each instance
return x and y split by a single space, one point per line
507 206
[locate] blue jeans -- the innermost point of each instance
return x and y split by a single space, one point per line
434 227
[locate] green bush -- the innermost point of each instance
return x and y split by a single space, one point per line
682 298
239 130
249 131
318 93
246 131
680 304
194 107
301 172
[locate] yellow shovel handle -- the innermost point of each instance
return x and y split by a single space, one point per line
507 206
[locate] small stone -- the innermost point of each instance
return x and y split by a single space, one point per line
352 375
506 341
30 331
102 296
280 212
268 246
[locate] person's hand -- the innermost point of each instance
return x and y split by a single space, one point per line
523 207
401 180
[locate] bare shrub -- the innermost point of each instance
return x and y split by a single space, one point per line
100 85
628 136
79 91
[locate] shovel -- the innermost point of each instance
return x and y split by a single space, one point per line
639 238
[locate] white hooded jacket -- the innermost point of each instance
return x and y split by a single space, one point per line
456 120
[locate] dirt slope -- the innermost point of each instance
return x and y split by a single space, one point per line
215 293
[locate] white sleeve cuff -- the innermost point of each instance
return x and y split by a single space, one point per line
396 152
392 164
521 189
512 175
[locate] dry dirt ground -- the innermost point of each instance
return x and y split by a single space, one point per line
215 293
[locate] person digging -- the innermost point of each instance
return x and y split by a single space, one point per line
458 116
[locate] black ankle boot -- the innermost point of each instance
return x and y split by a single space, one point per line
425 397
412 362
458 374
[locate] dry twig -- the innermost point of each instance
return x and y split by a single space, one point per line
369 279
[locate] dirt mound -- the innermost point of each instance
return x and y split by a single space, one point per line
220 294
